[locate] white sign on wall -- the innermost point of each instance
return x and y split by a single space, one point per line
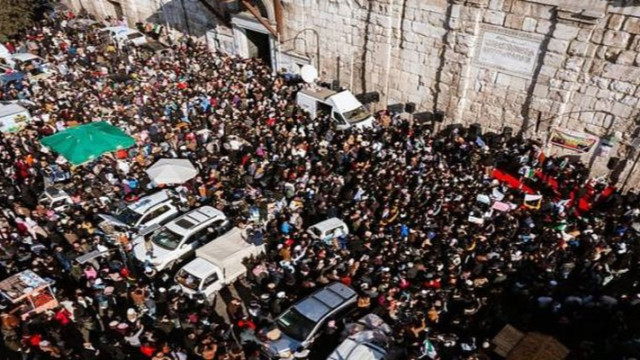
510 51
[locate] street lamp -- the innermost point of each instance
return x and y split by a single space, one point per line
315 32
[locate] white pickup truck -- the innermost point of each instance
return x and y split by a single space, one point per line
217 264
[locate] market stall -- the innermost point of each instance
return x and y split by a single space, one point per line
28 292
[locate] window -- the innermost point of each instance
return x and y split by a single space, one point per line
322 109
344 312
134 36
295 325
155 213
337 231
167 239
357 114
338 117
128 216
187 280
200 236
316 231
216 225
185 223
210 280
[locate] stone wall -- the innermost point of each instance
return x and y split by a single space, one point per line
390 46
170 13
530 65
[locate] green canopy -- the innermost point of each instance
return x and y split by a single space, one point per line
87 142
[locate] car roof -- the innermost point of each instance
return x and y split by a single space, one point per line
350 349
329 224
322 302
24 56
193 219
11 109
145 203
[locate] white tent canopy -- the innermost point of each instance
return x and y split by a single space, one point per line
172 171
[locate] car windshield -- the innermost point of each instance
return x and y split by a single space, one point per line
187 280
316 231
295 325
134 36
356 115
129 217
166 239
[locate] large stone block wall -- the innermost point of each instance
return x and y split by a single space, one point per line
577 62
390 46
526 64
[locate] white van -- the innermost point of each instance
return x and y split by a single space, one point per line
345 110
181 236
217 264
328 230
13 117
122 35
143 216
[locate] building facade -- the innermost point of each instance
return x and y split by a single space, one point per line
563 71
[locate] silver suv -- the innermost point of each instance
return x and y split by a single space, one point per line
301 324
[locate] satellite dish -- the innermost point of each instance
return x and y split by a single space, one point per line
309 73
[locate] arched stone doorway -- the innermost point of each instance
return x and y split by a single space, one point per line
252 39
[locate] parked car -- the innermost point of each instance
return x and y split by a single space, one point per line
31 64
217 264
13 117
122 35
174 241
143 216
329 230
300 325
367 339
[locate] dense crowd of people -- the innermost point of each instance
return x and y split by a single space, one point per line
427 250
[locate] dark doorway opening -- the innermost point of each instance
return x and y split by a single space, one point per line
258 44
117 8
